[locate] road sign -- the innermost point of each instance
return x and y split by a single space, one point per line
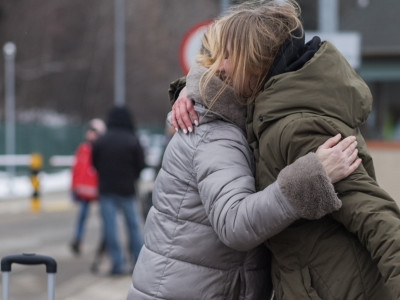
347 42
191 44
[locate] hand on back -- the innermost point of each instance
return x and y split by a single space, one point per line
339 158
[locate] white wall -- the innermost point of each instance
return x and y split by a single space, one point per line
387 169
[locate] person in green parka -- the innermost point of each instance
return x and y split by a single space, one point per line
298 94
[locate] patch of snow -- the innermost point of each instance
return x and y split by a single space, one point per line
21 186
44 117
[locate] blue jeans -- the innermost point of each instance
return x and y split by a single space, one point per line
81 220
109 204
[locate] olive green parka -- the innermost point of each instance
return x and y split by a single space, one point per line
355 252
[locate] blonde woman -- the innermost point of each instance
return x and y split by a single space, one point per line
297 94
204 234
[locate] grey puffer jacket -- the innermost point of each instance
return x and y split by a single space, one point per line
203 235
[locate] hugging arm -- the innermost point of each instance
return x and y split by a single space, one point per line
367 210
175 88
339 158
241 217
183 115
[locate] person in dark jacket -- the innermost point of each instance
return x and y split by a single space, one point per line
118 158
298 94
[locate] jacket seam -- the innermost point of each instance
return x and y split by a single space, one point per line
303 117
196 264
197 223
359 271
168 257
310 268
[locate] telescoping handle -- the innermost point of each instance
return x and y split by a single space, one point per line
29 259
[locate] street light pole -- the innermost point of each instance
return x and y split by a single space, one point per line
9 51
224 5
119 52
328 16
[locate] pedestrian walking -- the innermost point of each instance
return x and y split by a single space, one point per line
84 183
118 158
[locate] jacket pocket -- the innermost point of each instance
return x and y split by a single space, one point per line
308 284
235 290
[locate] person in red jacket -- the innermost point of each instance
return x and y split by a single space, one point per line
84 181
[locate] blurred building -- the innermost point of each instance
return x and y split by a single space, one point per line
378 23
65 66
65 56
64 62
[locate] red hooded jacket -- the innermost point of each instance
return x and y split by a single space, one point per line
84 177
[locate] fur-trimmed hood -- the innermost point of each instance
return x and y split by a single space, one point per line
227 105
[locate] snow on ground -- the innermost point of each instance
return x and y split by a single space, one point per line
20 186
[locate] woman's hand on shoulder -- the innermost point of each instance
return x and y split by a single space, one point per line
183 113
339 158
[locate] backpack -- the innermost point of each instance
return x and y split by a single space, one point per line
84 185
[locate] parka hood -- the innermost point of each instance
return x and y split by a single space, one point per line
120 117
326 85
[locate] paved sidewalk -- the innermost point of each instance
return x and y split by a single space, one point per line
47 202
100 286
86 286
97 288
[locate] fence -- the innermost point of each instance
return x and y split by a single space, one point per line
46 140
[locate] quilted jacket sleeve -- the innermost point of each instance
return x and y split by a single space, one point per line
367 210
241 217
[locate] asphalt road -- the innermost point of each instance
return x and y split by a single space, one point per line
49 232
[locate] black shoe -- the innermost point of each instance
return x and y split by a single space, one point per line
121 272
75 248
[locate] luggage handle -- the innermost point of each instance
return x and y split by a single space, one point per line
29 259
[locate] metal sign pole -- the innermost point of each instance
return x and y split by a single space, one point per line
10 50
328 15
119 53
224 4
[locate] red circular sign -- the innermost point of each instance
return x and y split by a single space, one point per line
191 44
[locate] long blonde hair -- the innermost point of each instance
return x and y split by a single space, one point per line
250 35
